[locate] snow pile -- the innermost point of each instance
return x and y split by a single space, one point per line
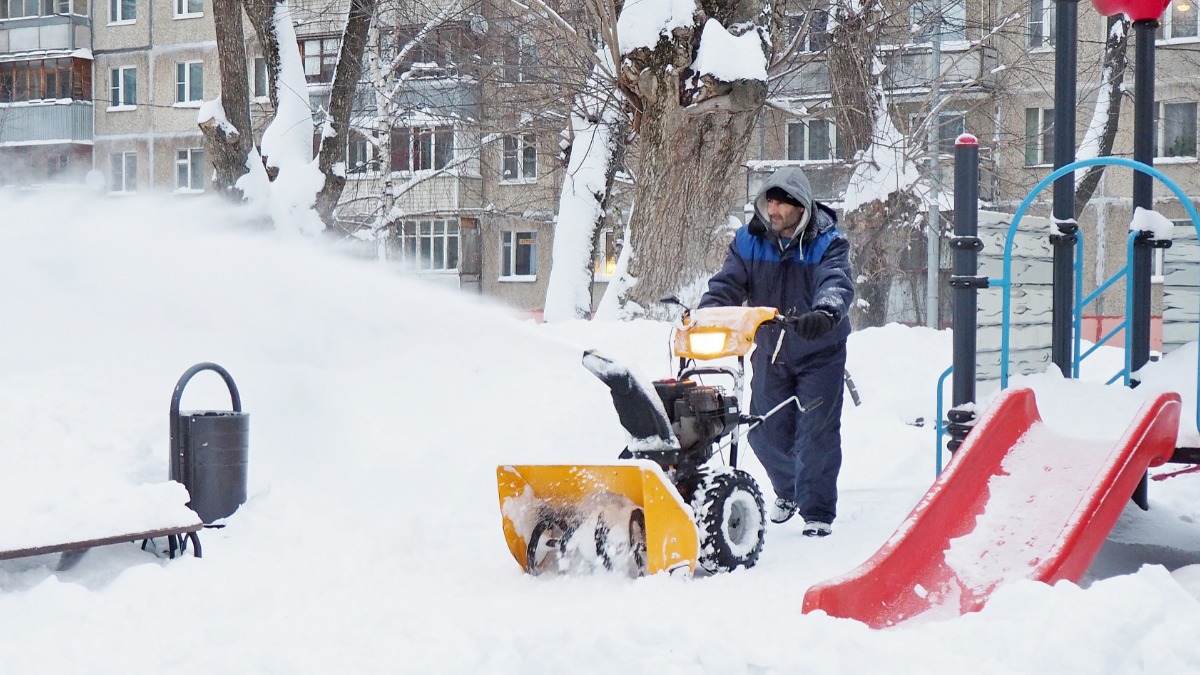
380 408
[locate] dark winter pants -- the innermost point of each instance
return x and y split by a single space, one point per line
802 452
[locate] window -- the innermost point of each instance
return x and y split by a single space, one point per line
1039 24
1039 136
56 165
18 9
189 169
189 8
813 29
1176 130
950 127
1178 23
189 82
320 58
812 141
605 263
124 172
260 89
360 155
418 149
38 79
429 245
121 11
946 18
124 87
520 57
518 255
519 158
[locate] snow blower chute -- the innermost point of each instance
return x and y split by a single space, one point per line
669 505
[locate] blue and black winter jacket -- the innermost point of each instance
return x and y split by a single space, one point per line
810 271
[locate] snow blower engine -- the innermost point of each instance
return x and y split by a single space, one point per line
671 505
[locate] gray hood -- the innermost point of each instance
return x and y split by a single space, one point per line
793 181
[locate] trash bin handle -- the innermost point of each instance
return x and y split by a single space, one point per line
234 397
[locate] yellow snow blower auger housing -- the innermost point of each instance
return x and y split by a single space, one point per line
671 505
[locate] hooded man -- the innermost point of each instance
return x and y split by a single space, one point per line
792 257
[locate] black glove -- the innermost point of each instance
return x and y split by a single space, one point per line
815 324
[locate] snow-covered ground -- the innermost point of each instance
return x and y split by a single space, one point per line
379 408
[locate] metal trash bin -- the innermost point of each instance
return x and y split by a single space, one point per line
209 450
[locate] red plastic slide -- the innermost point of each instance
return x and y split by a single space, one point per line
1017 501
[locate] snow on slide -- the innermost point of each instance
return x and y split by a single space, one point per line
1018 501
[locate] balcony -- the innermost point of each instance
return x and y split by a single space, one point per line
43 123
910 67
45 34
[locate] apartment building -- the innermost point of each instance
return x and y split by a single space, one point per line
155 64
45 91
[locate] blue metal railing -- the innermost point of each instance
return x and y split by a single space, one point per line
1005 283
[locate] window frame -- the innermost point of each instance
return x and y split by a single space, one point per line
512 243
122 97
1036 142
520 150
413 235
185 86
604 260
1046 24
1160 130
953 23
117 10
328 47
191 160
258 67
833 150
186 5
432 156
368 166
1166 26
126 173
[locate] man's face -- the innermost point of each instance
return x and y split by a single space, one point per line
784 217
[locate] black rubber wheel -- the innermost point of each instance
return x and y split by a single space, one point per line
544 548
731 518
631 555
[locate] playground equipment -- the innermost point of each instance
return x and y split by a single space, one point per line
956 546
970 533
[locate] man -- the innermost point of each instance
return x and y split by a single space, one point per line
792 257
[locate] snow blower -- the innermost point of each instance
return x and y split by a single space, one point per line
669 504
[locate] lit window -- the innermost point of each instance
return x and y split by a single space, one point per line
518 255
124 86
189 169
519 160
189 82
1179 23
605 262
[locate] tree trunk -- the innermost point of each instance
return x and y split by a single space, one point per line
341 102
262 17
692 136
227 147
1112 80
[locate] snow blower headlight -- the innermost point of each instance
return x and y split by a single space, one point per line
706 343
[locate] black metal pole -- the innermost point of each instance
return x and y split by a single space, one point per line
1143 193
1141 267
964 284
1063 242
